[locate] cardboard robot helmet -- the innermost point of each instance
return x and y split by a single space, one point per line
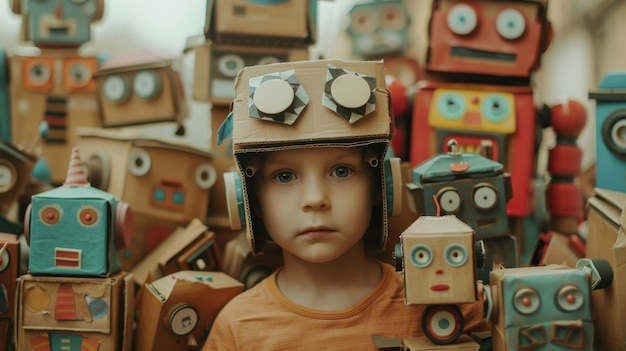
311 104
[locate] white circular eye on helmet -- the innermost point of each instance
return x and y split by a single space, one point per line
147 84
139 162
350 91
510 24
462 19
273 96
229 65
116 88
205 176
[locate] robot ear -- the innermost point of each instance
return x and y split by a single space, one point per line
99 10
234 200
16 6
123 225
27 223
393 186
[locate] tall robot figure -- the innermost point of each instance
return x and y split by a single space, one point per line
243 33
378 30
476 190
54 91
481 55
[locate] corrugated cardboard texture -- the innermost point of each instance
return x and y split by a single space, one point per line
185 288
316 122
464 342
111 330
208 77
607 240
438 233
233 19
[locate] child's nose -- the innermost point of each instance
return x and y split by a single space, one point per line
314 196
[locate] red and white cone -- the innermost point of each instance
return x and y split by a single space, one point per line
76 174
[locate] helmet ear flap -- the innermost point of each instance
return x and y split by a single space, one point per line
234 200
393 186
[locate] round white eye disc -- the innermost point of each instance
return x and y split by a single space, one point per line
273 96
350 91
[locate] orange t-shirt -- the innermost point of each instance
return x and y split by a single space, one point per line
262 318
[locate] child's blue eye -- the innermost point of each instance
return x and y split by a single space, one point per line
284 177
342 171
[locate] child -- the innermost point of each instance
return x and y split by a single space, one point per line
310 139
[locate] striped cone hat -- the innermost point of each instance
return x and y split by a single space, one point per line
76 174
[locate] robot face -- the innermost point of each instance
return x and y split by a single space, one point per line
479 202
378 28
439 267
69 235
181 191
59 76
138 96
61 22
466 34
546 309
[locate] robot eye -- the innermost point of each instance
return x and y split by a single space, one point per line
116 88
614 133
421 256
88 216
449 200
455 255
139 162
79 74
510 24
569 298
5 259
495 108
7 176
229 65
363 20
526 301
182 320
451 106
266 60
51 214
205 176
147 84
462 19
39 74
393 17
273 96
485 196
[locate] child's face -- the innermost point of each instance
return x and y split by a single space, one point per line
316 203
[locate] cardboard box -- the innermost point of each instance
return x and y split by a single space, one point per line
607 240
9 271
426 252
20 165
179 252
287 23
162 101
64 103
422 343
559 251
177 311
80 311
214 78
240 263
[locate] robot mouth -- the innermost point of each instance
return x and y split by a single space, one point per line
459 51
485 223
59 31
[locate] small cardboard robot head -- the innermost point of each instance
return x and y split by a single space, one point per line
311 104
